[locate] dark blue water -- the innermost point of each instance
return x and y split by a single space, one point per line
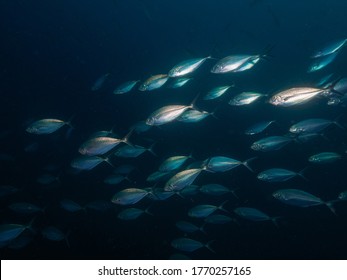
51 54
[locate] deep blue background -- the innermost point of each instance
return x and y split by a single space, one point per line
52 52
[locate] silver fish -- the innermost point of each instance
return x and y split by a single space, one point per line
245 98
278 175
131 213
321 62
204 210
330 48
271 143
25 208
173 163
215 189
314 125
53 233
258 127
235 63
189 245
70 206
46 126
125 87
252 214
193 116
88 163
101 145
325 157
9 232
296 96
300 198
154 82
189 227
100 82
129 196
216 92
158 176
133 151
167 114
180 82
187 66
182 179
222 164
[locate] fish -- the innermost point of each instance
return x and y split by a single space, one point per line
313 125
279 175
343 195
154 82
296 96
129 196
236 63
70 206
331 48
182 179
47 179
115 179
258 127
140 127
222 164
7 190
190 190
204 210
173 163
133 151
124 169
216 92
125 87
189 227
300 198
100 145
245 98
132 213
167 114
158 176
46 126
193 116
160 194
189 245
179 82
53 233
216 189
271 143
252 214
9 232
25 208
321 62
98 84
325 157
88 162
186 67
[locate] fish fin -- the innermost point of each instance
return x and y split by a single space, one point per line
202 228
30 225
301 173
192 105
108 161
126 137
150 149
246 163
330 205
221 207
148 212
208 246
68 122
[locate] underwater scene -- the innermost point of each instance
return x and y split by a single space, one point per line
155 129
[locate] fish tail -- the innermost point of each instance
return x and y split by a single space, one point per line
246 163
30 225
208 246
150 149
221 207
192 105
301 173
149 212
330 205
234 193
68 122
202 228
108 161
126 137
